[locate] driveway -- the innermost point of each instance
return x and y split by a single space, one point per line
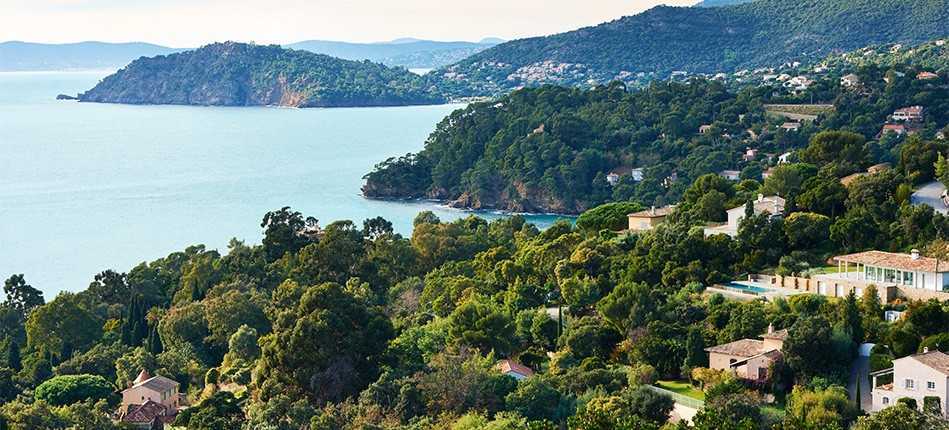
860 373
930 194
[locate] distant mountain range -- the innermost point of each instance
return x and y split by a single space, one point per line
26 56
717 3
240 74
655 43
408 52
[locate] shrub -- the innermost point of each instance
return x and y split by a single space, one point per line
69 389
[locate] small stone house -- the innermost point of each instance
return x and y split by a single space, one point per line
749 359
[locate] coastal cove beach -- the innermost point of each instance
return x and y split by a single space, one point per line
87 187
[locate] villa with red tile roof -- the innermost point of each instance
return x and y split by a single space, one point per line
514 369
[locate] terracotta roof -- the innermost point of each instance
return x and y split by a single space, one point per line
937 360
654 212
145 413
926 75
158 383
893 260
741 348
510 366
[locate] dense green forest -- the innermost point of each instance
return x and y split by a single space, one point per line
357 327
696 40
549 149
238 74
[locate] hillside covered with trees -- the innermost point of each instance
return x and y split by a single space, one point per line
550 149
238 74
353 327
696 40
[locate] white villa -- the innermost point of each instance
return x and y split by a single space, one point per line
916 376
889 269
731 175
772 205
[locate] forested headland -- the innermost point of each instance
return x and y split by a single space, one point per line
239 74
551 149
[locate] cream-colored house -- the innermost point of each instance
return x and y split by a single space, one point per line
650 218
749 358
158 389
916 376
150 402
772 205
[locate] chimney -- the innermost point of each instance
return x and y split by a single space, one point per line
760 197
925 350
914 254
652 211
770 328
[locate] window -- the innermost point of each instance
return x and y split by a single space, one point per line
886 400
931 385
909 384
907 278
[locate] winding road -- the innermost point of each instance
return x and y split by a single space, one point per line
930 194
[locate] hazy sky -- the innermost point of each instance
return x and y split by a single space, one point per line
186 23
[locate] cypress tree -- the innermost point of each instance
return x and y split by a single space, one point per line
695 349
13 356
153 343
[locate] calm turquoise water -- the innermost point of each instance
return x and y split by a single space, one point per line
89 187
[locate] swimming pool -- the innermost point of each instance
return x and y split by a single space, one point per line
747 288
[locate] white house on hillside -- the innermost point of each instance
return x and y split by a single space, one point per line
918 377
772 205
907 271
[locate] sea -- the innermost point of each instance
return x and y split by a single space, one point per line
87 187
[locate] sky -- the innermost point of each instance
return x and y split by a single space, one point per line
189 23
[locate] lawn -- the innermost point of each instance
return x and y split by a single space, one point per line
832 269
682 387
773 413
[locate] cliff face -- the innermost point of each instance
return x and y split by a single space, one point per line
236 74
